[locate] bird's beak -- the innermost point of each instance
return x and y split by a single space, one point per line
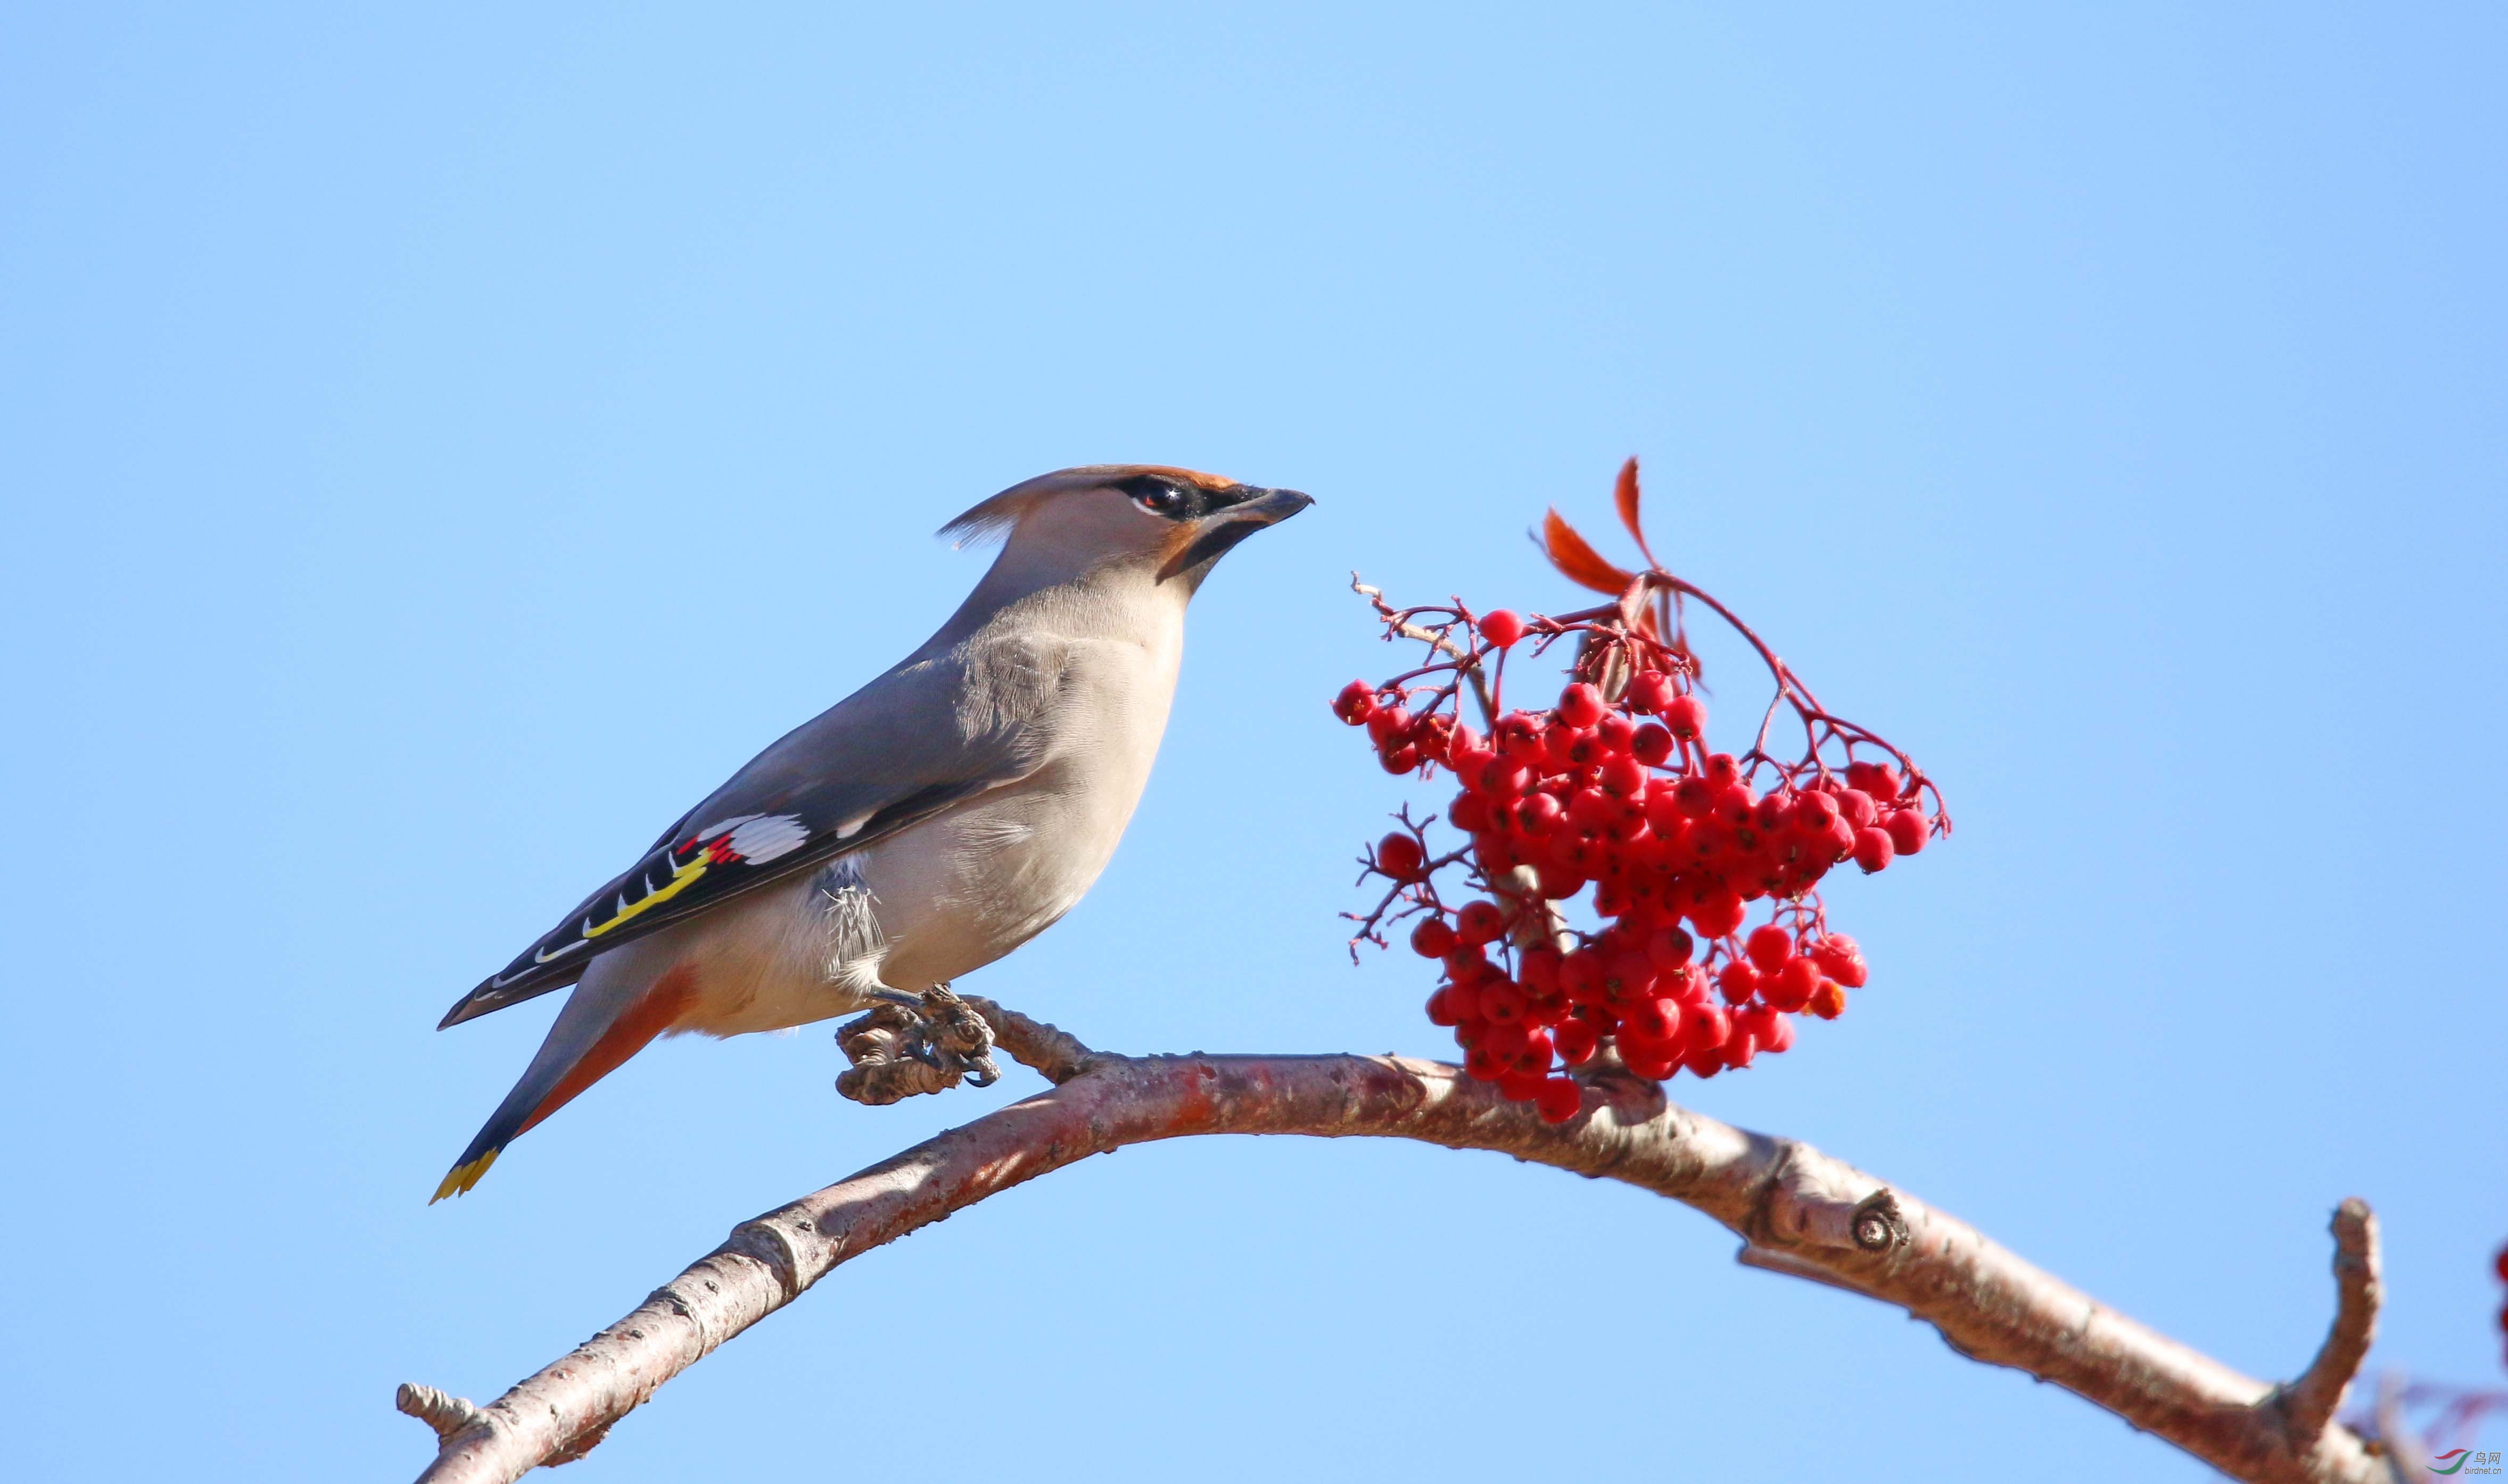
1248 510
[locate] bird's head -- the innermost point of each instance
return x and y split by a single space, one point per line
1171 523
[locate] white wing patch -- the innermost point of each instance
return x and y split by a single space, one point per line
764 837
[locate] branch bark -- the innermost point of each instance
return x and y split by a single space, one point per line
1797 1210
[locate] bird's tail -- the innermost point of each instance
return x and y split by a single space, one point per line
609 1019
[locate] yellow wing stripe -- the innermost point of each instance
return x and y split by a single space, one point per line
682 878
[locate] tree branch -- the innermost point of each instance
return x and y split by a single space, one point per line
2309 1402
1797 1210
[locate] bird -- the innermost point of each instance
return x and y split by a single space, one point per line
923 826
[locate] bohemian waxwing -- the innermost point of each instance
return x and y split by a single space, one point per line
921 828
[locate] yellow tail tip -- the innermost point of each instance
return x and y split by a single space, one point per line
463 1176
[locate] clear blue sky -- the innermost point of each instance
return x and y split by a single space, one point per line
438 449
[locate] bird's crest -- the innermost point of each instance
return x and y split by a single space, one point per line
995 516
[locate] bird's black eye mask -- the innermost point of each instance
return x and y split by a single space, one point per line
1175 500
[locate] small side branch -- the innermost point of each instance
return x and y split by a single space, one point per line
446 1413
1799 1210
2309 1403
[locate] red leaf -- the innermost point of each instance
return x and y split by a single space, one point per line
1626 496
1578 562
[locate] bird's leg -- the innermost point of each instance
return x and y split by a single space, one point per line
911 1044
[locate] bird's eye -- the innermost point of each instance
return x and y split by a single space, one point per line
1161 498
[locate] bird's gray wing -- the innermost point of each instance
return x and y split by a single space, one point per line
927 735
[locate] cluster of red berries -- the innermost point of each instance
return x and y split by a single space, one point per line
1614 789
2500 1265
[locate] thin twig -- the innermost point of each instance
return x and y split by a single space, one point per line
2311 1400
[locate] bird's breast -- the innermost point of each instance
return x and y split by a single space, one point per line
962 890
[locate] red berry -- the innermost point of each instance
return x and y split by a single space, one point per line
1614 732
1469 813
1388 725
1779 1036
1907 830
1440 1007
1686 717
1670 948
1518 736
1503 1039
1498 778
1501 1003
1567 747
1829 1003
1626 977
1532 1057
1624 778
1793 986
1651 745
1769 947
1590 809
1497 853
1576 1040
1651 1020
1841 959
1432 938
1399 856
1858 807
1481 1066
1580 705
1354 704
1650 691
1519 1087
1872 848
1502 627
1560 1100
1717 915
2500 1264
1738 981
1559 882
1401 760
1581 977
1539 969
1479 922
1734 803
1739 1049
1431 735
1705 1026
1814 812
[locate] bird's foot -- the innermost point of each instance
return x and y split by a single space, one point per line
911 1044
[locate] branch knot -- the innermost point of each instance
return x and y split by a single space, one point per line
1877 1222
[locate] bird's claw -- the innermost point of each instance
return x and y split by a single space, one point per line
911 1044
